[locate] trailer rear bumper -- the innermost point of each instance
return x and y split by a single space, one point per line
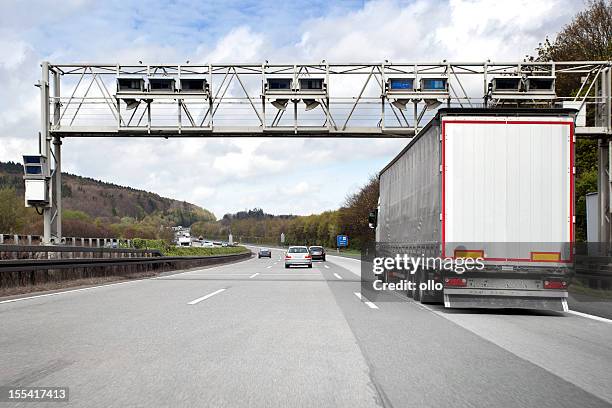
555 300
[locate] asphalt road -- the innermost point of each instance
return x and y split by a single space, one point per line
254 334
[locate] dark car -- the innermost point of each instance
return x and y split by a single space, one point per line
317 252
264 253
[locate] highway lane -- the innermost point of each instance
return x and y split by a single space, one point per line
256 334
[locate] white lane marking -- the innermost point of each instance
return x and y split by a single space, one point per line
326 266
291 274
367 302
564 303
337 276
253 275
268 267
69 291
198 300
588 316
202 274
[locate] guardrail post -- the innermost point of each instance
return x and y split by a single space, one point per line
82 242
1 238
73 241
29 240
16 239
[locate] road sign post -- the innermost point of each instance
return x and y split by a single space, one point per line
341 241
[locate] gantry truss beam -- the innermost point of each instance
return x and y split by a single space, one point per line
355 103
323 100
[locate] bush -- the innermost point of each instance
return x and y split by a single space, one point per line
171 250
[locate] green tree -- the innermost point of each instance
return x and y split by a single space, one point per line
13 214
588 37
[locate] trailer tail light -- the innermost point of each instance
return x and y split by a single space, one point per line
469 253
546 256
555 284
307 257
455 282
287 256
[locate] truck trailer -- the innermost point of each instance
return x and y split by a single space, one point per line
490 184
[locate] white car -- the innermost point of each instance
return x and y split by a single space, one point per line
298 255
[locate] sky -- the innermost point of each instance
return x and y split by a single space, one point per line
282 176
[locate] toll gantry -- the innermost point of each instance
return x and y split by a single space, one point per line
353 100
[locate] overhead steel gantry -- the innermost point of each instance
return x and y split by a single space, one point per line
353 100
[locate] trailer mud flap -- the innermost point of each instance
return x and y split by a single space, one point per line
505 302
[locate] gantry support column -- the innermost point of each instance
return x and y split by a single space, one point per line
56 181
603 119
603 187
52 214
45 148
56 223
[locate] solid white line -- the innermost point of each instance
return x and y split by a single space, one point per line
69 291
337 276
202 274
268 267
588 316
198 300
327 266
367 302
253 275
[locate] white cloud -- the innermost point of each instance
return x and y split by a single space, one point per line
281 175
240 45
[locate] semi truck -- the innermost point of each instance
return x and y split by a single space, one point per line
490 184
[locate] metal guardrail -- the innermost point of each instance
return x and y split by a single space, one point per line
18 239
22 273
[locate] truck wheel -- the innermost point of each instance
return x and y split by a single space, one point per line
416 294
424 295
410 293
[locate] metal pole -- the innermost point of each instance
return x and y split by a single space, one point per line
45 146
56 225
603 181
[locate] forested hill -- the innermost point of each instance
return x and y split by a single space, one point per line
109 201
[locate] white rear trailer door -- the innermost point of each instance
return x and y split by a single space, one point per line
507 187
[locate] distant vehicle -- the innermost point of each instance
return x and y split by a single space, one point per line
224 244
207 244
317 252
184 241
298 255
112 244
264 253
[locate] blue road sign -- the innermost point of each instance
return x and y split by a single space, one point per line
342 241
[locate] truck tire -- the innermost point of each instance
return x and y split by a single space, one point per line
424 295
411 293
416 293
